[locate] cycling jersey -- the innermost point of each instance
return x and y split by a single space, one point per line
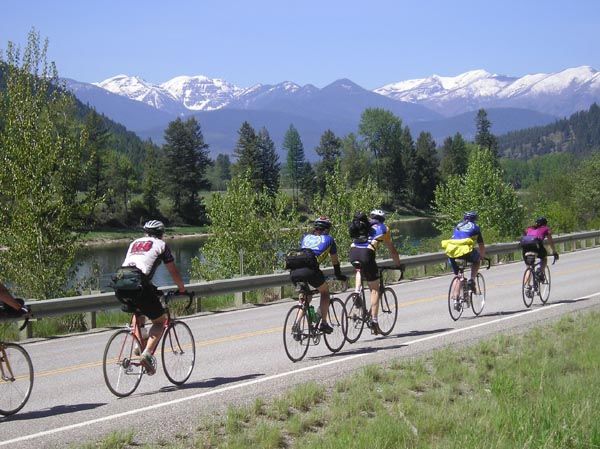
146 254
467 229
540 232
321 245
378 232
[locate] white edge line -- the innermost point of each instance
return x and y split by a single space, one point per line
267 378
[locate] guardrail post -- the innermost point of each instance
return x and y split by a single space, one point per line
281 292
240 298
27 332
90 320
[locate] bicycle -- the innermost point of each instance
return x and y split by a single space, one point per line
461 297
358 314
534 281
121 361
16 376
301 325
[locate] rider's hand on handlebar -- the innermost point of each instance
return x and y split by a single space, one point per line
555 255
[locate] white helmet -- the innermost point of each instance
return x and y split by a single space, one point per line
154 227
378 214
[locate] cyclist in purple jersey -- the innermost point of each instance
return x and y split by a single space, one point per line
467 228
321 244
540 231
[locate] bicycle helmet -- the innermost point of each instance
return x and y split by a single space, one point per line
541 221
378 214
323 222
470 216
154 227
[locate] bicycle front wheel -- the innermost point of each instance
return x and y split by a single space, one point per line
527 290
17 378
178 352
296 334
544 286
354 312
120 364
455 295
337 319
388 311
478 296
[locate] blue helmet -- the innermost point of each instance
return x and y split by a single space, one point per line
470 215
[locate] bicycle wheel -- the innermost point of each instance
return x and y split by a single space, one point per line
120 364
544 286
337 319
527 290
296 334
178 352
478 297
388 311
354 313
455 305
17 378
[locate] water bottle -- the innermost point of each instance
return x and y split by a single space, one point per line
312 315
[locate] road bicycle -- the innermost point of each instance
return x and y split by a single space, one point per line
301 328
359 314
16 376
535 282
461 296
121 363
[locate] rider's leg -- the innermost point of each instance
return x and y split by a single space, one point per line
154 334
455 285
374 286
325 297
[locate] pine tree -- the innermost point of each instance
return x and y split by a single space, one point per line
295 162
151 181
330 150
484 138
455 157
426 173
269 162
220 173
248 154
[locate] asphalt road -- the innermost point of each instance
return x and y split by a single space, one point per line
240 356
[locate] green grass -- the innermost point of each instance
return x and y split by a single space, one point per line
538 390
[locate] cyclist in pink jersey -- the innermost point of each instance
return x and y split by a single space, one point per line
533 240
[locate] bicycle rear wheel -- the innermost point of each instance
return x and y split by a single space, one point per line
527 290
478 296
296 334
16 379
388 311
544 286
337 319
354 312
455 304
122 373
178 352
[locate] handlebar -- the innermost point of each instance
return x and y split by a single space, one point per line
489 262
172 293
400 267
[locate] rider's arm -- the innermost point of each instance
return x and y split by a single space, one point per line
481 245
551 243
393 251
174 272
7 298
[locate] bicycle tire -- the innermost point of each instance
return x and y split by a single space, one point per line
388 311
455 305
527 291
121 376
544 287
478 297
16 381
339 322
296 340
354 314
178 352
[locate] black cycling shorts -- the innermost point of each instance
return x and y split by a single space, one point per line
540 250
147 300
314 277
366 257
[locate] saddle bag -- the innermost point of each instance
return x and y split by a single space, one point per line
128 279
300 258
530 243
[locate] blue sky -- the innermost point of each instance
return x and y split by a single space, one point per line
310 41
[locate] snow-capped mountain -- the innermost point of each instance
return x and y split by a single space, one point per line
560 93
200 93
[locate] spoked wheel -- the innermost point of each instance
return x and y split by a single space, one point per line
388 311
296 334
544 286
178 352
354 312
17 378
455 295
337 319
527 290
478 296
120 364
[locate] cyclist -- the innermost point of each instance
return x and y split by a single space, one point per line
461 246
363 250
533 240
11 301
306 269
143 258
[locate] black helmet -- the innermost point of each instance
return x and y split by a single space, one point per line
323 222
154 227
541 221
470 215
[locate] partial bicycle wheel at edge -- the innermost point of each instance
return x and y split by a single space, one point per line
120 364
354 312
338 321
17 378
178 352
388 311
478 297
544 287
527 287
455 306
296 335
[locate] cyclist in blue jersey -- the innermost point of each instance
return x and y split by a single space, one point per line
470 232
321 245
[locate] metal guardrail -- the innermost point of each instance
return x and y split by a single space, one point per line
107 301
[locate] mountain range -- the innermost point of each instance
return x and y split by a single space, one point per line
441 105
